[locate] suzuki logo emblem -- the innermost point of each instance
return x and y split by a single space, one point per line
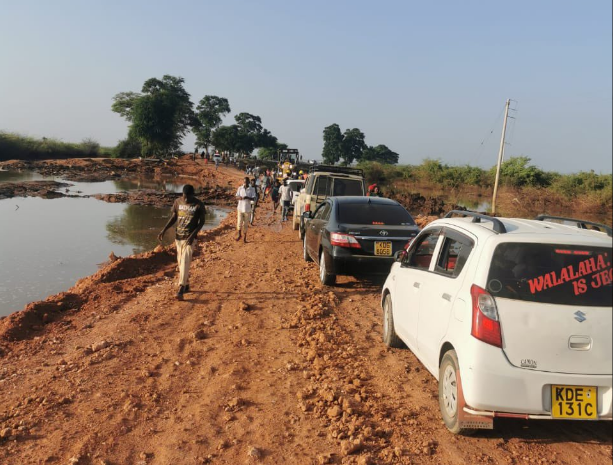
580 316
384 233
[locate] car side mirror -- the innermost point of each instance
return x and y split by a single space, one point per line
400 255
307 215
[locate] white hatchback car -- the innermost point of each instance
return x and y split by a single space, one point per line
513 317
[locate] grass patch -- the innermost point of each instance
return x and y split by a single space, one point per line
18 147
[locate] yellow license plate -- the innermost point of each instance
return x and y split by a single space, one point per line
578 402
383 248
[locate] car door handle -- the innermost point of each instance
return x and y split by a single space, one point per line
447 297
417 285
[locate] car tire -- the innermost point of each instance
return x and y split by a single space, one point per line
326 278
300 233
448 393
305 253
390 337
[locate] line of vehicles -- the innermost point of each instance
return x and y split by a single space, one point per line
513 317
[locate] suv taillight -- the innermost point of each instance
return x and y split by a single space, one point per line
486 323
344 240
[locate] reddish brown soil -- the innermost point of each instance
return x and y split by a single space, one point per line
259 364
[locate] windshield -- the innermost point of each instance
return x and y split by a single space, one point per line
347 188
552 274
387 215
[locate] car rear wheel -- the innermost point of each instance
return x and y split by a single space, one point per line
390 337
326 278
449 393
305 252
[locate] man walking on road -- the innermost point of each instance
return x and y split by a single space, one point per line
285 193
188 212
245 195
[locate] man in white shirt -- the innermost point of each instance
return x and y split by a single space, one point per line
245 195
285 193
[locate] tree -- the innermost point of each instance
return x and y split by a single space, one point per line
160 116
209 113
271 153
333 139
381 153
352 145
227 139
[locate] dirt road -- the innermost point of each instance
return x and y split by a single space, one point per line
259 364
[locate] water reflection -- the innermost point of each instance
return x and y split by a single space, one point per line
138 226
47 245
18 176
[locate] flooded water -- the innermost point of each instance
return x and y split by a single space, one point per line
47 245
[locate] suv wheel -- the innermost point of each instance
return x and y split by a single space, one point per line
325 278
305 253
449 393
390 337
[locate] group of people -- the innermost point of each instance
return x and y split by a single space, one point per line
249 195
188 213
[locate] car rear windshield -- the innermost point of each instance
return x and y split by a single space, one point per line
389 215
552 274
347 187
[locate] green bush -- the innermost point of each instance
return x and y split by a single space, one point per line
517 172
17 147
127 148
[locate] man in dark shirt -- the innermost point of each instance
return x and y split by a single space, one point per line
188 212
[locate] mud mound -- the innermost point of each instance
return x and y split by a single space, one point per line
44 189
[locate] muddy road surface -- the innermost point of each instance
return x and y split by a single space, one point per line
259 364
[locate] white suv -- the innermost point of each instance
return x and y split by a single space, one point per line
513 317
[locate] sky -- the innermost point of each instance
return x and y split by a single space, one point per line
427 79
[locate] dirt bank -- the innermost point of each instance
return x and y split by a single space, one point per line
260 364
44 189
212 186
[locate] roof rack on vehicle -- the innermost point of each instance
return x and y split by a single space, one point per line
336 169
477 217
581 224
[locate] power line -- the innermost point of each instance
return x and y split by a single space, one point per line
487 136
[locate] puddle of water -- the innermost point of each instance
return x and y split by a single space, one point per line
47 245
16 176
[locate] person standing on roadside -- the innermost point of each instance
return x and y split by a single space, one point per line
285 194
274 196
189 213
245 195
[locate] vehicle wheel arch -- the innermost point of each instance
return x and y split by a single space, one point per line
384 294
446 347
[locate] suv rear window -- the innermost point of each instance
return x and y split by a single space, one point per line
387 215
552 274
347 187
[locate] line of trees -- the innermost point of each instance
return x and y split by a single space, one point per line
162 114
350 146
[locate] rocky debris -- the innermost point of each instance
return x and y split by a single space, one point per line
199 335
244 307
254 453
98 346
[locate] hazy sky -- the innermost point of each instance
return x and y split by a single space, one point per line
426 78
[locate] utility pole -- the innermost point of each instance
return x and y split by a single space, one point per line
500 155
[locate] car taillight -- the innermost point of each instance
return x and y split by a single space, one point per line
307 207
486 323
344 240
